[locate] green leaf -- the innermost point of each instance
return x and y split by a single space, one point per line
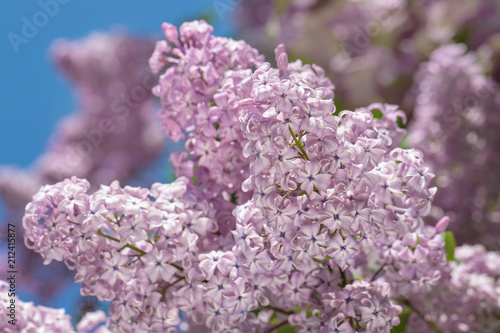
449 244
287 328
309 313
282 329
403 317
403 143
234 198
274 320
298 144
377 114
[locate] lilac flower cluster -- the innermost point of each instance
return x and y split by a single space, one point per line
373 50
37 318
324 187
306 162
127 245
112 136
456 126
326 233
414 263
199 93
466 301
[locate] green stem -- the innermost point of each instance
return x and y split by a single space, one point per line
298 144
130 246
170 285
99 232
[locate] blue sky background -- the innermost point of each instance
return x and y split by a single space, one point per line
34 96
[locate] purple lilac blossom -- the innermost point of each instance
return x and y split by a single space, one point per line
372 51
456 121
467 300
330 237
199 92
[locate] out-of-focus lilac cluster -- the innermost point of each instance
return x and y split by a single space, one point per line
326 233
37 318
112 135
457 117
369 48
467 300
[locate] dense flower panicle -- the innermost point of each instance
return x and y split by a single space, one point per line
342 167
372 51
456 126
414 264
323 187
127 245
318 224
199 91
196 68
37 318
113 135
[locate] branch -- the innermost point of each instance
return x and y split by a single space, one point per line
342 275
163 290
378 272
132 247
177 266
